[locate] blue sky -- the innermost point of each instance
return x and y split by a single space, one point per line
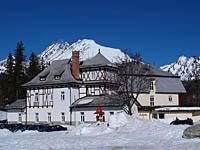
161 30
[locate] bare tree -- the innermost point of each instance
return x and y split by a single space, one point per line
133 80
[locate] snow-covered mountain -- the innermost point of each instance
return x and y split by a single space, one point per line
88 48
63 50
2 65
183 67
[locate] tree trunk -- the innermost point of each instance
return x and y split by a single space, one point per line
129 110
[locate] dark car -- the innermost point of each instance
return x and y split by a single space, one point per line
188 121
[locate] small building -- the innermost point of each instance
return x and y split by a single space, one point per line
169 114
85 107
16 111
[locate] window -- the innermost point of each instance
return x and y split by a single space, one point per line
42 78
62 96
51 97
36 117
111 113
49 117
20 117
57 77
161 116
170 98
83 75
93 75
155 116
47 97
82 117
151 101
62 116
36 97
151 85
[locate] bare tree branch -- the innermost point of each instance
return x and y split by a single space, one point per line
133 80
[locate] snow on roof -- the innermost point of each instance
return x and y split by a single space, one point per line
177 108
85 101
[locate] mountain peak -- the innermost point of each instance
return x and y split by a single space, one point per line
182 58
87 48
183 67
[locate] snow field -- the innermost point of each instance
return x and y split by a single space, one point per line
124 132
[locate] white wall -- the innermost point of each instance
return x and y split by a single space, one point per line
171 116
90 116
13 117
59 106
159 99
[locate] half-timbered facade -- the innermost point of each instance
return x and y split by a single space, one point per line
51 92
69 91
99 76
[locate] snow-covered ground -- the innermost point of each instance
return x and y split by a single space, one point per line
123 133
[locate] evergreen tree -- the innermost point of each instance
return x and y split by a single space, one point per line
19 70
34 66
9 90
2 89
9 65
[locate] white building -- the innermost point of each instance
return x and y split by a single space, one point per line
69 91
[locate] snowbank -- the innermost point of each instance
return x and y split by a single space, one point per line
95 129
118 120
121 132
115 122
136 134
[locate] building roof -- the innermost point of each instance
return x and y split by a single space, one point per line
169 85
98 60
169 109
153 71
159 72
59 72
19 104
165 81
95 101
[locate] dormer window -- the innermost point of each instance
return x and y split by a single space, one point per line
42 78
58 74
57 77
44 75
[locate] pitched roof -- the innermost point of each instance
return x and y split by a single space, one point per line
153 71
17 105
165 81
59 68
169 85
98 60
95 101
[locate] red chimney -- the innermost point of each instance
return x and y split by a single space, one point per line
75 64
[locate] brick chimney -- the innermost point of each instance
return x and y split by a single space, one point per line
75 65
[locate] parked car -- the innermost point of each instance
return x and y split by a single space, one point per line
188 121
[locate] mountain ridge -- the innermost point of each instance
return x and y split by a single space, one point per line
183 67
88 48
63 50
